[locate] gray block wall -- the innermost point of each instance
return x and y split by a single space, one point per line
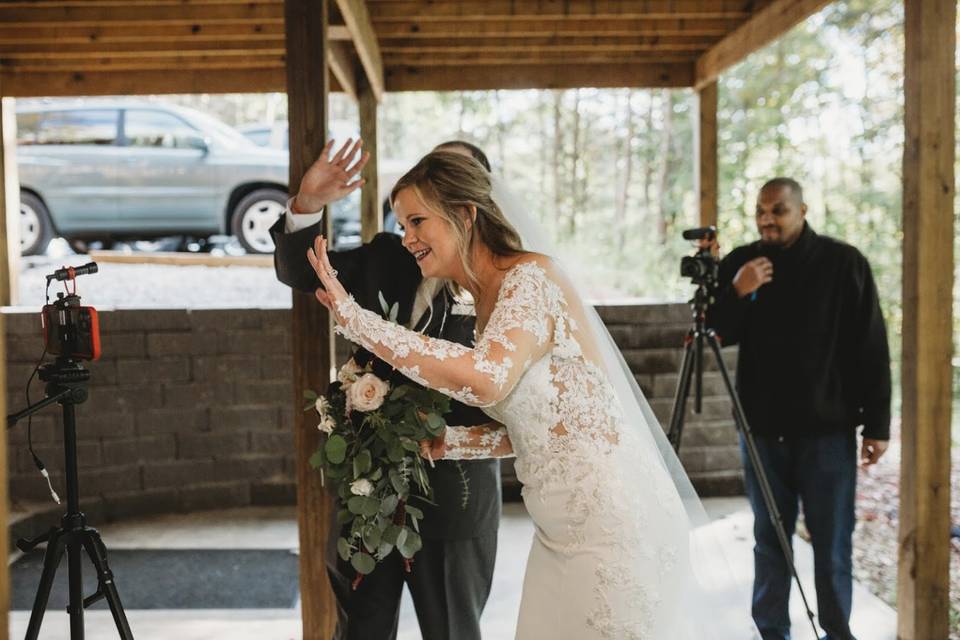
193 409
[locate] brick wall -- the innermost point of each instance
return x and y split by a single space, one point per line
193 409
650 338
187 410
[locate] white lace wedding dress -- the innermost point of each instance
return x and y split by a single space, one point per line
610 555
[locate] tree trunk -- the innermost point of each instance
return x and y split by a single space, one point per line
627 175
666 139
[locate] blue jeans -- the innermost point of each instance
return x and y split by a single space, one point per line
821 473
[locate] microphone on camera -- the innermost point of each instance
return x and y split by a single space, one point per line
69 273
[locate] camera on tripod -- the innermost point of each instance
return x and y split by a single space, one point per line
69 329
702 267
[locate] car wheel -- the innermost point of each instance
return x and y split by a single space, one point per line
254 215
36 229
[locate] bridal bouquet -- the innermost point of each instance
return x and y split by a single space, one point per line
372 456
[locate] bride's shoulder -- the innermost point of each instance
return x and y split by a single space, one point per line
530 261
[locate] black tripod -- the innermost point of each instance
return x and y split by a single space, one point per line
691 369
66 384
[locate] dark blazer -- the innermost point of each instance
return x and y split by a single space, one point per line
383 266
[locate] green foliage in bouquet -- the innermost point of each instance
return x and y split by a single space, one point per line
372 456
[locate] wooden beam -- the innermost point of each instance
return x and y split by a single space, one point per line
543 62
371 215
343 67
365 42
312 330
923 578
148 31
706 149
9 206
478 10
452 78
181 259
143 82
550 42
145 31
98 13
764 27
581 26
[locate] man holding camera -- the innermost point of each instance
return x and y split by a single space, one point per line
813 365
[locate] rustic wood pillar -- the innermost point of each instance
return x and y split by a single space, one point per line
9 204
706 150
923 585
307 90
9 263
371 215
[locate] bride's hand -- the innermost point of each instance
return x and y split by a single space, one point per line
332 291
435 449
328 179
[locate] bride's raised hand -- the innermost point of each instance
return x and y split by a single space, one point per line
328 178
332 291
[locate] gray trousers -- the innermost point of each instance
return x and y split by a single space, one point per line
449 583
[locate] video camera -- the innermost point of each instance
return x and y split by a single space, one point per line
703 268
69 329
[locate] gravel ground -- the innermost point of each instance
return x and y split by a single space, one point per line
875 540
157 286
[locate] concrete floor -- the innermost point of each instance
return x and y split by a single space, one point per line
275 528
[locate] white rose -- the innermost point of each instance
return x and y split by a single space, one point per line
326 425
361 487
322 406
348 373
367 393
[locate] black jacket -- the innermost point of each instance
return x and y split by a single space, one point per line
384 266
813 354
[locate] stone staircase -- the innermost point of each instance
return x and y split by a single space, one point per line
650 336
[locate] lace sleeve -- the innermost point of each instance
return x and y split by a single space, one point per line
518 333
481 441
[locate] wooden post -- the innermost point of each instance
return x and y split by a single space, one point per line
9 208
307 91
923 587
706 150
371 216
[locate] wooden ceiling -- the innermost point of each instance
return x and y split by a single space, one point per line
90 47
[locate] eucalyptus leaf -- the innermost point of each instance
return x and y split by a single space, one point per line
362 462
389 504
336 449
434 421
343 517
309 394
363 563
410 544
394 311
356 505
384 550
344 548
399 392
383 304
371 538
413 511
392 534
316 460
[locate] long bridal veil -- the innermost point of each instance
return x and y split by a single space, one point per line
716 605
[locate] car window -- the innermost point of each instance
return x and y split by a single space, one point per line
148 128
259 136
76 126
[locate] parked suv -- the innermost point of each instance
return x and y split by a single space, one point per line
118 169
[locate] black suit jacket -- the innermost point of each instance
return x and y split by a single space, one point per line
383 266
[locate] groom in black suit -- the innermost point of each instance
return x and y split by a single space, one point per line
451 575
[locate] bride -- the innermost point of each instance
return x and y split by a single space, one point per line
611 555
